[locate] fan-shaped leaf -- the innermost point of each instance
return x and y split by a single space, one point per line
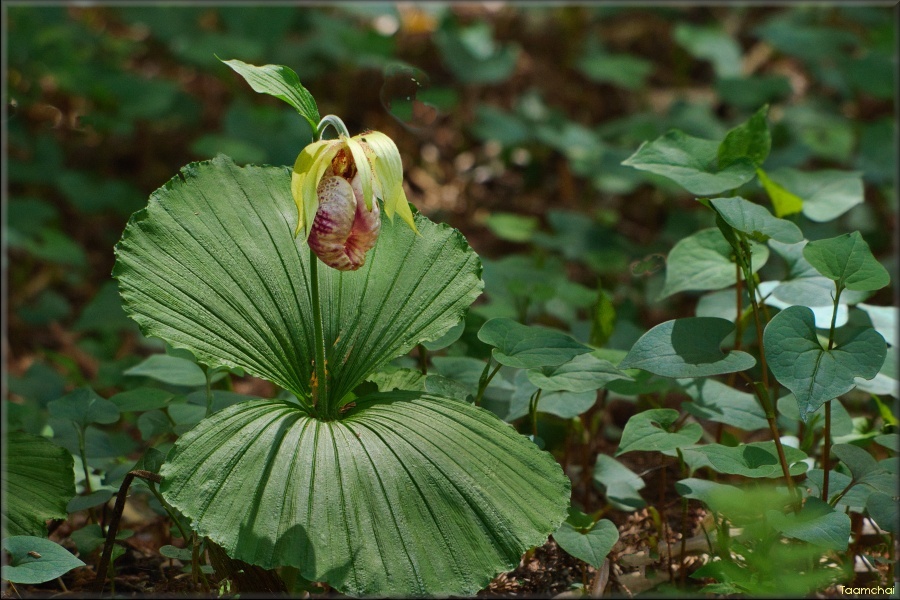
212 265
39 482
408 494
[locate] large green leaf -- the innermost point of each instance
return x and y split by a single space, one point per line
715 401
688 347
36 560
756 459
825 194
407 495
39 482
691 162
756 221
816 523
583 373
212 265
525 347
814 374
703 261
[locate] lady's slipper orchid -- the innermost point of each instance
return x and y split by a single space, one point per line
335 184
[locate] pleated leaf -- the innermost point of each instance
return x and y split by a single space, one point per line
39 482
407 495
211 265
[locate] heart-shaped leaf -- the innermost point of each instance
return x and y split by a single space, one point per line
825 194
715 401
36 560
756 459
692 163
687 347
814 374
885 510
39 482
83 407
226 280
816 523
654 430
618 483
433 486
703 261
583 373
756 221
525 347
591 546
848 261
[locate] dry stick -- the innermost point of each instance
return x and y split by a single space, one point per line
100 579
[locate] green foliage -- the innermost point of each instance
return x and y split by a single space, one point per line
848 262
656 430
281 82
524 347
36 560
590 543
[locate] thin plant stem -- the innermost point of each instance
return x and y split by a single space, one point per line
209 397
320 383
533 410
423 359
826 447
482 385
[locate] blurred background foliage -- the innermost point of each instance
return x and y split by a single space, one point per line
512 121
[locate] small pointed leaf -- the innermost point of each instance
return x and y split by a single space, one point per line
749 141
282 82
847 260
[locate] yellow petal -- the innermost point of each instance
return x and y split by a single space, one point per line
388 169
309 167
363 168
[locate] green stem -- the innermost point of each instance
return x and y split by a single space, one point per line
168 510
423 359
532 409
334 122
320 383
485 381
826 448
83 453
746 258
209 397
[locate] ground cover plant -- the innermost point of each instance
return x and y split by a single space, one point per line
565 300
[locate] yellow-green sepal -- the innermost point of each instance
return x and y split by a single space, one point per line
309 167
388 168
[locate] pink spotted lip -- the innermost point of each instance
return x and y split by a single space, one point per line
343 230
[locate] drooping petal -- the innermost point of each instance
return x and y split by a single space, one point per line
388 170
309 167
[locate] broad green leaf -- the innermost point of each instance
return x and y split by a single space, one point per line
90 500
816 523
856 496
703 261
225 279
887 383
816 293
453 334
825 194
591 546
406 495
618 483
512 227
859 461
690 162
841 423
83 407
847 260
169 369
624 70
281 82
784 202
153 423
756 221
885 509
583 373
756 459
525 347
687 347
891 441
704 490
654 430
439 385
748 141
395 378
39 482
141 399
715 401
36 560
884 320
814 374
713 44
90 537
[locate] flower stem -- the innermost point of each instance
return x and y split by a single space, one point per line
320 381
335 122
